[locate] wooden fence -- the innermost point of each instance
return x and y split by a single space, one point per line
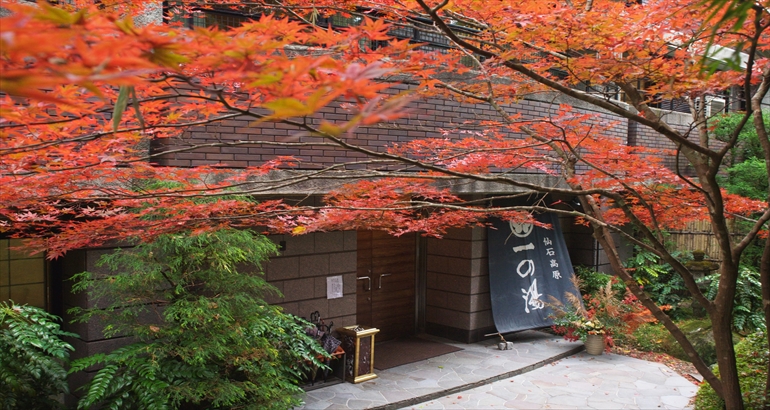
698 236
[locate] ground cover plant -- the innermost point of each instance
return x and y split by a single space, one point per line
753 356
93 103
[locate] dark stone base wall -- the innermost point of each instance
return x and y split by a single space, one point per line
301 270
459 335
91 340
457 301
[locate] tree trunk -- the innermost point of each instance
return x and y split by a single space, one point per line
721 326
764 277
604 237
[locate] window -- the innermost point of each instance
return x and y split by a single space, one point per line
22 277
714 105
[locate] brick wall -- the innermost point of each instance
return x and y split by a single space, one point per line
427 118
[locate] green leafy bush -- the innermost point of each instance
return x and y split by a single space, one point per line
669 290
748 178
748 316
752 354
591 282
33 358
651 337
654 337
660 281
646 266
748 145
206 338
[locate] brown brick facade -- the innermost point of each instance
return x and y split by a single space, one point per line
427 118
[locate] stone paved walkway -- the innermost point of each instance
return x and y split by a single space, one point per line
531 376
579 382
477 364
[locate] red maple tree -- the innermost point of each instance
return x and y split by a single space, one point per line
87 94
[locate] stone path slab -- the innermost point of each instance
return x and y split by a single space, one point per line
579 382
477 365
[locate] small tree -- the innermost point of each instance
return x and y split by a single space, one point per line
205 336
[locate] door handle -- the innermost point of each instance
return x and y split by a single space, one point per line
379 286
368 281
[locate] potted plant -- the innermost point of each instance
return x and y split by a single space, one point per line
575 323
602 311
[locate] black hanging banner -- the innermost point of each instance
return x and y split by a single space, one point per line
527 264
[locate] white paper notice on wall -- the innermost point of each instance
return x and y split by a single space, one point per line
333 287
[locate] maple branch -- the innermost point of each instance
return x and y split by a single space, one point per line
471 22
607 242
659 249
686 179
749 237
72 118
544 50
490 99
628 189
758 31
97 135
439 6
659 126
576 156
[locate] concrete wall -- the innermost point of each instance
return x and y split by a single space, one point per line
458 304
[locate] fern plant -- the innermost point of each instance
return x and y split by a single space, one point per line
748 316
33 358
206 338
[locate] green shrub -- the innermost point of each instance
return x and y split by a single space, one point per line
746 179
651 337
32 358
748 316
752 354
669 290
655 338
748 145
660 281
646 266
206 338
592 282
